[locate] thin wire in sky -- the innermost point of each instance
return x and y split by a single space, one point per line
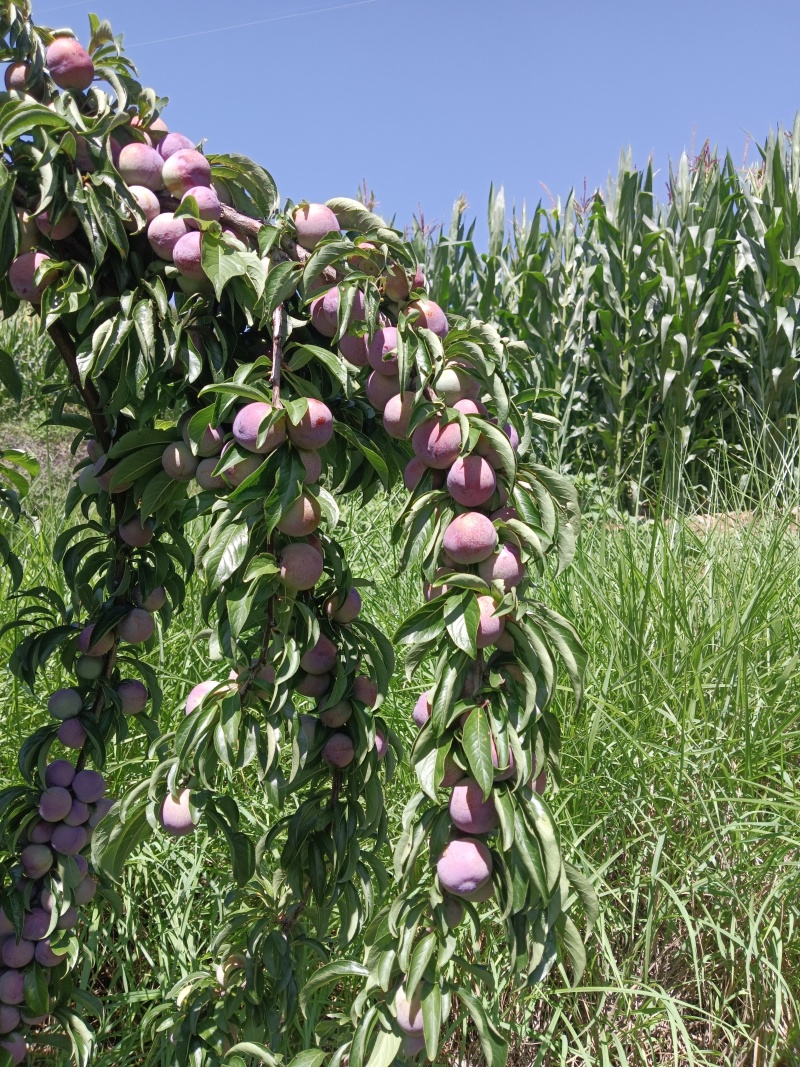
258 22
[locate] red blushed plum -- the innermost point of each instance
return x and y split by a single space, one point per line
187 255
14 1044
308 727
205 476
184 170
312 463
471 481
247 424
71 734
321 319
315 428
164 232
504 515
84 892
78 814
12 987
242 470
198 694
422 709
137 532
485 448
179 462
505 642
175 142
502 774
22 275
68 840
15 953
54 803
381 743
313 685
430 317
354 348
365 690
470 538
137 626
380 390
300 518
101 809
338 715
208 205
490 627
210 443
338 750
175 815
89 786
313 222
408 1012
59 772
301 567
321 659
504 566
397 415
344 612
65 703
36 924
437 444
155 601
40 833
16 77
397 286
69 63
147 201
382 353
415 471
480 896
469 407
455 385
469 811
132 696
68 919
101 647
57 231
82 865
464 866
139 164
45 956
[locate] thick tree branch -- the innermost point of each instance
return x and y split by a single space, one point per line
87 392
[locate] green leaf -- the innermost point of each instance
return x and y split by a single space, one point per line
495 1048
385 1050
477 741
252 1048
352 215
332 972
461 617
9 376
225 554
312 1057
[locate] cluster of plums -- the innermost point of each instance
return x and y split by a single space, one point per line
70 806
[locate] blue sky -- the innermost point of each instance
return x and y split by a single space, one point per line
429 99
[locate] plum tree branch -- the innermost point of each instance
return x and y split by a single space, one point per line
87 392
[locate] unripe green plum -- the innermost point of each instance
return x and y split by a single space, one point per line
101 647
408 1012
380 390
301 517
88 669
174 142
36 861
321 659
65 703
205 476
89 786
422 709
365 690
470 538
430 316
59 772
313 222
137 626
301 566
12 987
503 566
338 750
139 164
155 601
490 626
57 231
68 840
72 734
179 462
455 384
338 715
464 866
397 415
22 275
468 809
184 170
94 450
471 481
315 428
147 201
54 803
247 424
136 532
382 353
69 63
87 481
175 815
354 348
453 912
312 463
164 232
344 612
437 444
312 685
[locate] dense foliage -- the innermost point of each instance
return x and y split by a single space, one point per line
664 331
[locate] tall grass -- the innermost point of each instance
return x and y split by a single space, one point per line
678 785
